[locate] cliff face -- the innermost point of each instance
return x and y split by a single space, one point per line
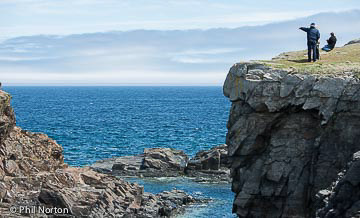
289 135
22 152
33 175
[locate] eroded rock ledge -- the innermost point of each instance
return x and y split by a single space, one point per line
289 135
207 166
33 175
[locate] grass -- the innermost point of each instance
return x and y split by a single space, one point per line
337 61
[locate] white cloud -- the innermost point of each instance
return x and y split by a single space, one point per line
214 51
29 17
158 57
203 56
190 60
16 59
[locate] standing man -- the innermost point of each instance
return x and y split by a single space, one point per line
313 36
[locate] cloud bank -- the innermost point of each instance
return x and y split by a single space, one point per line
174 57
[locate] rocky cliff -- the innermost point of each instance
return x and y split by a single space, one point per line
34 181
290 134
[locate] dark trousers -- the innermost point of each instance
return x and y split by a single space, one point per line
317 51
312 48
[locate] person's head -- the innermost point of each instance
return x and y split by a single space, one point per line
332 34
312 25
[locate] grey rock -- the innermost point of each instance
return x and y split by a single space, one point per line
288 85
289 136
154 162
343 199
355 41
163 162
11 168
207 166
210 165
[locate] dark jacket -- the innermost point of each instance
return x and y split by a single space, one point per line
313 34
332 42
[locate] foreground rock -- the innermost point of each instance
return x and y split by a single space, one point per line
34 181
343 200
289 135
206 166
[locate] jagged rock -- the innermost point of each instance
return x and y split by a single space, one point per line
163 162
33 175
355 41
289 135
7 116
210 165
169 199
213 159
343 200
206 166
127 166
155 162
11 168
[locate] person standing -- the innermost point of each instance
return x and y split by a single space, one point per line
313 36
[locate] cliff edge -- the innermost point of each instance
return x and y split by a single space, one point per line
293 129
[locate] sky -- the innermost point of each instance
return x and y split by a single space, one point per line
199 59
30 17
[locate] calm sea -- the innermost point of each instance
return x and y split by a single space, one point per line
94 123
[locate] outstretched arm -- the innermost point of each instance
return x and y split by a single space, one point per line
304 29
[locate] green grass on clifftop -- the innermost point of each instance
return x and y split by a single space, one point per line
337 61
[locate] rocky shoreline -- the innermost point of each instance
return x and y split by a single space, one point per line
35 181
207 166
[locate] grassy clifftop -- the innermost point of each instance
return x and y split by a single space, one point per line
339 60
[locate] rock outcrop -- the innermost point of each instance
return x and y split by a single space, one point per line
207 166
35 181
343 199
154 162
355 41
164 161
210 165
289 135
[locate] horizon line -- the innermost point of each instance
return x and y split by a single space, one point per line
104 84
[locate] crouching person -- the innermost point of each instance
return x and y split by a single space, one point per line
331 43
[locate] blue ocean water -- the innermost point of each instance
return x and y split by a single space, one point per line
220 195
93 123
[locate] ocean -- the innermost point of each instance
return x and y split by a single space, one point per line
94 123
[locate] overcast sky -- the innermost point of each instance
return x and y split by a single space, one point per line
143 57
29 17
